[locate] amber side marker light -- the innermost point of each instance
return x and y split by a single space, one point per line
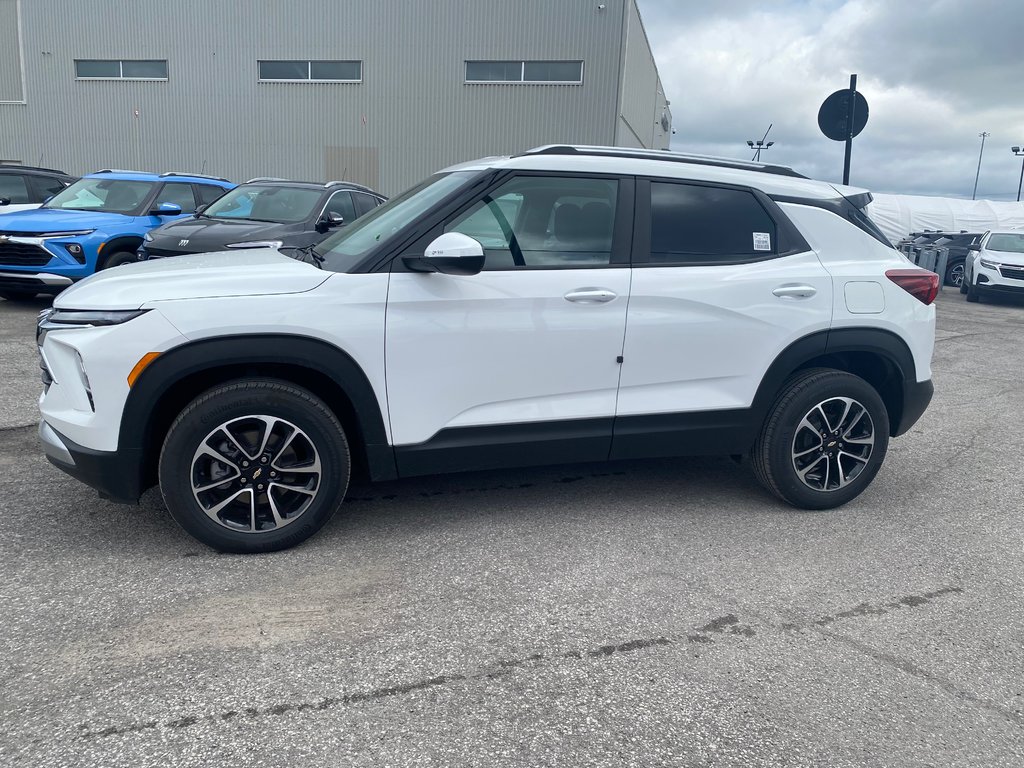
140 366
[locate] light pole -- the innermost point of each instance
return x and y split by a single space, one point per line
981 136
1019 153
759 145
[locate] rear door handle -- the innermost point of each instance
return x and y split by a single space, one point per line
590 295
795 291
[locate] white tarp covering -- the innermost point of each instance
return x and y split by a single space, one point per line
899 215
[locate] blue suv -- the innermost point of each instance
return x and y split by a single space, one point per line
96 223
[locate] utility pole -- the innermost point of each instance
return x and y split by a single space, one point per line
983 135
1019 153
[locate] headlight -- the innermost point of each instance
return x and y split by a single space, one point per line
258 244
989 264
91 317
75 233
147 237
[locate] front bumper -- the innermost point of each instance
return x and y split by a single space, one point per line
117 475
916 397
42 282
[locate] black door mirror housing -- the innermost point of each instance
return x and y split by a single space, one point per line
199 210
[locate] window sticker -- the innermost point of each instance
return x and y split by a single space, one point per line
762 241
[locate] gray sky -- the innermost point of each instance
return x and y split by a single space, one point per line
935 73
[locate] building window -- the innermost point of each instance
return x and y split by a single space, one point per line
121 69
551 72
311 71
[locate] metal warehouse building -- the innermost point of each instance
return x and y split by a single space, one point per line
377 91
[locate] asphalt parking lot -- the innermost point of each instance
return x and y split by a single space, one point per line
660 613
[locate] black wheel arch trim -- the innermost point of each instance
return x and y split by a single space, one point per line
875 341
120 244
316 356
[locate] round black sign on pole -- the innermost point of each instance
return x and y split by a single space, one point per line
833 115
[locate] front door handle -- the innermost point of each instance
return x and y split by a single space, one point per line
795 291
590 295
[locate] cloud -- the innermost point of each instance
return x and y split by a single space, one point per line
935 73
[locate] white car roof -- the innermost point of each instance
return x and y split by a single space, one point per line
770 179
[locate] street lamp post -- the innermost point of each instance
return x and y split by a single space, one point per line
981 136
1019 153
761 144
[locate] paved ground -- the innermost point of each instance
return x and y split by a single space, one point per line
661 613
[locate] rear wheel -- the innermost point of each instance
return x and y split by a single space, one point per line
824 440
955 273
254 466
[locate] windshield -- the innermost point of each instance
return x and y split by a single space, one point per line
109 195
280 205
1007 243
348 246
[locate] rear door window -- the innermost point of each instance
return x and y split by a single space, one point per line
364 202
341 204
44 187
697 224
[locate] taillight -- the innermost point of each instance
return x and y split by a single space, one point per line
919 283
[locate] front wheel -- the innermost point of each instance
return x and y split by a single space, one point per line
255 465
823 441
972 291
119 259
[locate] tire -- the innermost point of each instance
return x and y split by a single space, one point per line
972 291
963 284
119 259
16 295
303 446
819 396
955 273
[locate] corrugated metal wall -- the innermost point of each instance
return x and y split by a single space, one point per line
642 100
10 54
412 113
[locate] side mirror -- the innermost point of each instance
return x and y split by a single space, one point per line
166 209
199 210
331 220
453 253
5 201
974 247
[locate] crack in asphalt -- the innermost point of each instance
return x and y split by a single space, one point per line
727 625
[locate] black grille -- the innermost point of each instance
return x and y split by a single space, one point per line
23 255
162 253
1014 273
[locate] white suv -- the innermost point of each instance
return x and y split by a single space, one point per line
995 265
566 304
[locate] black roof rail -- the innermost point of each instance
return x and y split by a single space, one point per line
661 154
33 168
120 170
195 176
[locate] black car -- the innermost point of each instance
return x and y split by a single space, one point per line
957 242
28 185
263 213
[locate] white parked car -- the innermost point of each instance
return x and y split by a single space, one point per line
566 304
995 265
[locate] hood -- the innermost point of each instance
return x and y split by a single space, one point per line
17 207
53 220
213 234
250 272
1009 258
